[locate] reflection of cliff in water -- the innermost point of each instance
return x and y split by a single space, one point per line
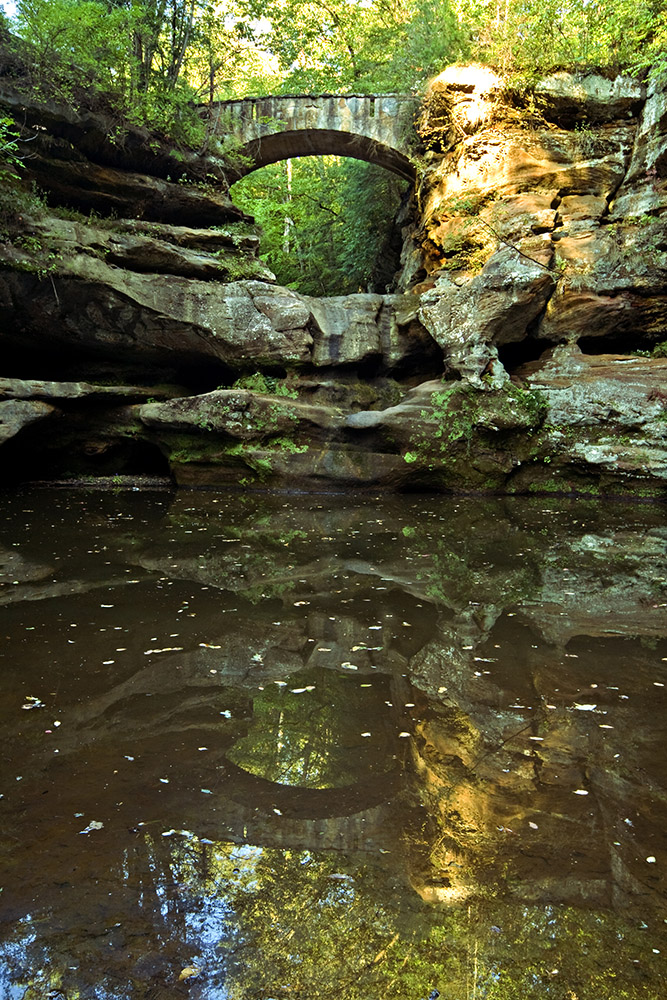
466 695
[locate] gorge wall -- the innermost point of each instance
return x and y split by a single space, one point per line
522 348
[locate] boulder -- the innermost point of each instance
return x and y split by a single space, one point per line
567 97
70 179
104 297
16 388
15 414
468 320
239 414
347 329
613 285
159 249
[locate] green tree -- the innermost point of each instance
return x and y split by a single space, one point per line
367 47
326 221
535 36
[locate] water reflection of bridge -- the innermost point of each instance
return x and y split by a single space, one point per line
358 817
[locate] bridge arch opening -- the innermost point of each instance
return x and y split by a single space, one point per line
323 142
328 220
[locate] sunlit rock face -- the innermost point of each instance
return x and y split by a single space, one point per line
504 359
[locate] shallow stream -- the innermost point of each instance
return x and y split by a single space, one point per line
261 747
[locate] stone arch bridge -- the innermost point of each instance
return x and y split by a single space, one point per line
375 128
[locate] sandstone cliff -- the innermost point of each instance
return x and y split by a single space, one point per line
522 350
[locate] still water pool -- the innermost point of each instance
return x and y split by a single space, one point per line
263 747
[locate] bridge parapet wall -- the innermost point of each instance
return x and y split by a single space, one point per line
385 118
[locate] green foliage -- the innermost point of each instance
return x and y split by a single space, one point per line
529 37
122 56
461 416
384 45
267 384
14 199
326 221
10 159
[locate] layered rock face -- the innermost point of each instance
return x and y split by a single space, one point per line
521 350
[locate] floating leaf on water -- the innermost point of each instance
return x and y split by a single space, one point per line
93 825
31 701
188 972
